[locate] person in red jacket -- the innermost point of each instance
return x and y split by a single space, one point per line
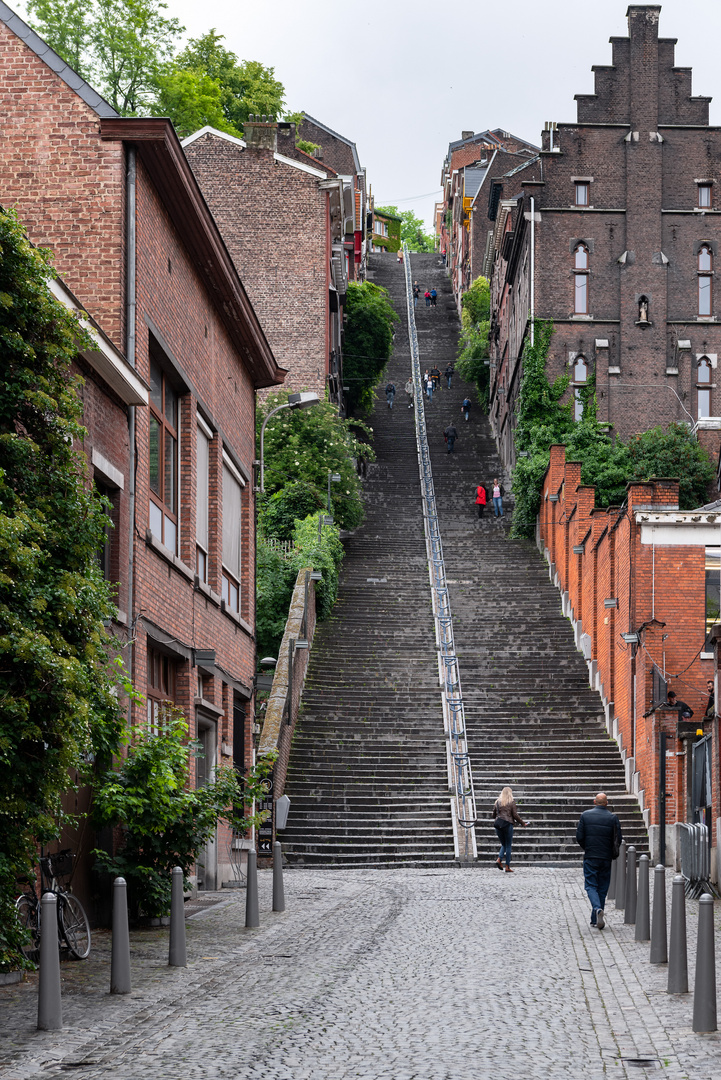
481 498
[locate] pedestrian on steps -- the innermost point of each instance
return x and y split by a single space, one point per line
449 374
427 298
498 493
428 384
436 376
451 435
505 816
400 255
416 293
434 294
599 834
409 391
390 394
481 499
466 408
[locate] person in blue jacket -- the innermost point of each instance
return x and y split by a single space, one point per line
599 834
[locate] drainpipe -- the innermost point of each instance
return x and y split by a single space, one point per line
130 304
533 265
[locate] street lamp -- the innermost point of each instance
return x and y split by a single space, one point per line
335 477
305 400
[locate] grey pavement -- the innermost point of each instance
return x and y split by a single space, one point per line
408 974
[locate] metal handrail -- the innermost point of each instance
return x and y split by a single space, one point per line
460 776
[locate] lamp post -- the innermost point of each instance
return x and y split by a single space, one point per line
305 400
335 477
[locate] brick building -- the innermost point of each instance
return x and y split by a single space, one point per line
268 202
619 572
613 234
116 201
385 230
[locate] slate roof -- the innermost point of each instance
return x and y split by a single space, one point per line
56 63
348 142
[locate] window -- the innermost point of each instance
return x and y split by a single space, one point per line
705 272
163 458
703 392
106 554
232 488
381 228
160 689
580 375
704 196
713 593
202 497
582 194
580 280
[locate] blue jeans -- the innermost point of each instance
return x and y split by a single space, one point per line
498 506
450 444
449 377
428 301
596 879
429 390
505 835
389 399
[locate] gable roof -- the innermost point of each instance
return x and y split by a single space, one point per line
56 63
324 127
316 169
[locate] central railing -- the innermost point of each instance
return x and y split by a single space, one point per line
460 778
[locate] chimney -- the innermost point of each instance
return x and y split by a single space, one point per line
261 133
467 134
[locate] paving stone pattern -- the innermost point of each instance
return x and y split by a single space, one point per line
409 974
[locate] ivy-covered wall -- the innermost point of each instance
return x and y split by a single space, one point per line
392 242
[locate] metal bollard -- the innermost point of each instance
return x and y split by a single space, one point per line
704 991
611 894
621 878
176 947
659 939
120 955
50 1006
643 914
278 890
252 918
630 913
677 956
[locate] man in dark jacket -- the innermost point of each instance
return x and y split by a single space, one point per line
596 832
451 435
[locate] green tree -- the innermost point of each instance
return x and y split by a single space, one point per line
472 358
192 100
294 501
65 25
58 703
369 319
674 453
412 229
303 445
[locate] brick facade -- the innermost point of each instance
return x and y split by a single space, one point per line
629 181
67 166
625 578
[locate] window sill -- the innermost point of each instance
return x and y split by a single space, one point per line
672 371
200 586
169 556
706 318
236 618
582 318
208 706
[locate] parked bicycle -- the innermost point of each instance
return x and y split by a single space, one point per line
73 927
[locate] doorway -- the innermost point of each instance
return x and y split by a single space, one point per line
207 864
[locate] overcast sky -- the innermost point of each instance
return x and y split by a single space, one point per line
403 78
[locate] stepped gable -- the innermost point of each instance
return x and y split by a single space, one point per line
642 83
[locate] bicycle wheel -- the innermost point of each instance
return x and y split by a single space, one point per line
28 915
74 925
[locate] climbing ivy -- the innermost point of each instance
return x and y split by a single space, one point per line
472 362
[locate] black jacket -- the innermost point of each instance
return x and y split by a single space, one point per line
450 432
595 833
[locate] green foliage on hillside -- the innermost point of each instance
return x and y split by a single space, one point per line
58 703
369 319
412 230
472 359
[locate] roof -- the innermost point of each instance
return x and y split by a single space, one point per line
317 169
56 63
162 155
473 178
384 214
348 142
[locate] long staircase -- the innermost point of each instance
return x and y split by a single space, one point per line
367 776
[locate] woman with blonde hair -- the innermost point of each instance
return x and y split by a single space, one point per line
505 815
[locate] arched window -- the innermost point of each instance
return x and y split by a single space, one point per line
705 278
703 389
580 280
580 375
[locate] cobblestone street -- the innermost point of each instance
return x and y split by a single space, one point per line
425 974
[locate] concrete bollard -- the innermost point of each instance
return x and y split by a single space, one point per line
677 955
659 938
252 917
630 913
278 890
704 991
643 913
120 955
611 894
176 947
50 1006
621 878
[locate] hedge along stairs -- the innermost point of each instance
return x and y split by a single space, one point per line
367 776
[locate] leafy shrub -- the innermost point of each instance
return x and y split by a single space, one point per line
165 823
472 363
294 501
368 341
675 453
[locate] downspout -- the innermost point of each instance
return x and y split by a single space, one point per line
533 264
130 305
